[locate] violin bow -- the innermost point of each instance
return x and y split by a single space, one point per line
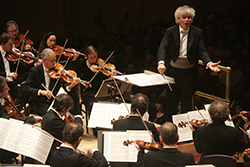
47 90
64 64
199 112
22 38
19 58
145 125
103 64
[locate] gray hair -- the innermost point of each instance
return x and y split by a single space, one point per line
45 53
219 111
11 23
182 10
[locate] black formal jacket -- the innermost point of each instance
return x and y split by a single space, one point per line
170 45
33 84
2 69
217 138
165 157
135 123
65 157
54 125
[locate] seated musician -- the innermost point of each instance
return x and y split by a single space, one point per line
39 98
54 120
86 73
6 156
68 155
139 102
49 41
169 155
218 138
8 68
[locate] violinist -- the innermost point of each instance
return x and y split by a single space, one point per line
169 155
40 98
67 154
13 28
7 69
217 137
133 122
86 73
53 121
6 156
49 41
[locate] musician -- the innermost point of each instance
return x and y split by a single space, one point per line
49 41
169 155
6 156
218 138
39 98
133 122
7 69
182 47
53 121
13 28
67 154
85 72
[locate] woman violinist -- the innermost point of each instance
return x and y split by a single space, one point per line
86 72
49 41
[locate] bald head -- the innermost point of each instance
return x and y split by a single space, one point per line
169 133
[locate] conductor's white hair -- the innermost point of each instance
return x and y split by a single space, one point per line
183 10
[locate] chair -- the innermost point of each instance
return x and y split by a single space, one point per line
218 160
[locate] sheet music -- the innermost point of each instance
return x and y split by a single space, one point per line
185 133
24 139
143 79
115 151
102 114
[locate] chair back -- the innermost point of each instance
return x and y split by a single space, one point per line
219 160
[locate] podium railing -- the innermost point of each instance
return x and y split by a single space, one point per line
227 94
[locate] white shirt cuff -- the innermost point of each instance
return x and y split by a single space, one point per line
68 89
39 92
161 62
93 150
77 116
208 64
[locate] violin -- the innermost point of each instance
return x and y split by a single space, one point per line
247 114
68 53
120 117
11 109
143 144
194 123
69 118
27 41
27 57
66 75
106 69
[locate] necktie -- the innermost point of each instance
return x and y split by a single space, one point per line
183 38
47 78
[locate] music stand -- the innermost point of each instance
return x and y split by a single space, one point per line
108 89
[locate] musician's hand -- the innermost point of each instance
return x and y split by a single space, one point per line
138 147
113 73
74 82
247 152
13 75
161 68
76 54
39 61
214 66
38 119
46 93
27 47
89 153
